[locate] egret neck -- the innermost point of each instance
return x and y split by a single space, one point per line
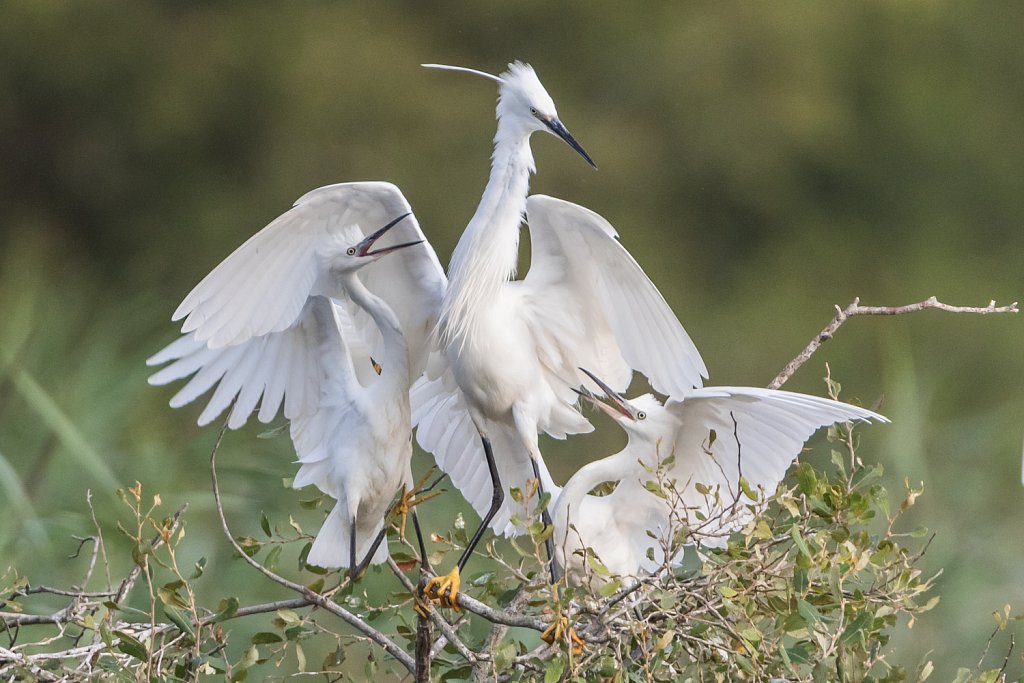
488 251
395 377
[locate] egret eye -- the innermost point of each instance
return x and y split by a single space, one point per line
351 251
533 110
641 415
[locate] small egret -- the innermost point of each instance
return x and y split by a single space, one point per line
285 317
710 437
512 347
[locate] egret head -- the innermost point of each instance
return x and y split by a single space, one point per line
642 417
361 253
524 106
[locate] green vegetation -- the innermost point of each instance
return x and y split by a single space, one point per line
762 162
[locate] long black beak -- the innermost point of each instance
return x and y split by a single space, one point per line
559 129
363 248
612 403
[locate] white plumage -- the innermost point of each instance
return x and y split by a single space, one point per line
713 436
286 320
510 349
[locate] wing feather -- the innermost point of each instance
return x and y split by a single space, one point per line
257 296
771 427
579 268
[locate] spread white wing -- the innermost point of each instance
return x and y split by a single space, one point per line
757 435
596 306
240 329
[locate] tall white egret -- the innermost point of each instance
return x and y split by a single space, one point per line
710 437
512 347
285 318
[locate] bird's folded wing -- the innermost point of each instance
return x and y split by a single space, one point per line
326 438
605 313
728 432
445 429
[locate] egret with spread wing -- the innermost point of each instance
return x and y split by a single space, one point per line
285 319
710 437
512 347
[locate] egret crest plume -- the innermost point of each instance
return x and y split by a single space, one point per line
445 67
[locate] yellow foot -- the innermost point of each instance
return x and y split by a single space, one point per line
408 499
422 604
444 589
559 631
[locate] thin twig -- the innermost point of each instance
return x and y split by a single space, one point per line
843 314
155 542
381 639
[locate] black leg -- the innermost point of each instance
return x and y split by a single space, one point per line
357 570
497 498
352 550
424 562
545 516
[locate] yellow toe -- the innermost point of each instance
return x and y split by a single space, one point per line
444 589
560 630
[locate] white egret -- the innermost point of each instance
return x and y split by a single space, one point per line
285 318
710 437
512 347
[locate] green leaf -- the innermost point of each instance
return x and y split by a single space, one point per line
597 565
311 503
333 659
800 581
272 557
504 655
747 491
289 616
266 638
808 611
807 478
794 532
265 524
609 589
200 567
799 653
250 546
225 610
178 619
854 630
131 646
169 596
554 671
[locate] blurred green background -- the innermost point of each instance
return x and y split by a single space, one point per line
762 161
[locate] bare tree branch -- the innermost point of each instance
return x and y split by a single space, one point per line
843 314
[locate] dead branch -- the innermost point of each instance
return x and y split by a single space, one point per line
844 314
